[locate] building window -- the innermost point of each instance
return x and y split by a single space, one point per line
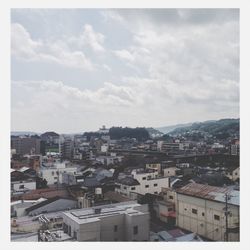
125 188
216 217
55 178
75 235
171 197
133 188
135 230
155 185
21 187
144 178
146 186
203 214
115 228
170 209
194 211
156 192
52 173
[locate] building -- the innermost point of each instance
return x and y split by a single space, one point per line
51 205
172 171
141 183
66 147
26 145
53 174
234 174
125 221
154 166
202 209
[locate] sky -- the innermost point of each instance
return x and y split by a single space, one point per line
74 70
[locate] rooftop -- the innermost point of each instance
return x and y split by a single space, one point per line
87 215
211 192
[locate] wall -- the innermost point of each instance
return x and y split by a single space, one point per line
58 205
203 222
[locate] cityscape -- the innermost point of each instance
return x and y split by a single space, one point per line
125 125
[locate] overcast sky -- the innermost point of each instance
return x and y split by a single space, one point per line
75 70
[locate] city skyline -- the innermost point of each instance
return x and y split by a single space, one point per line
85 68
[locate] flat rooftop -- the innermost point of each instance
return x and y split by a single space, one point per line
87 215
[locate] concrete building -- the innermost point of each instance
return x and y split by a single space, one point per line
51 205
173 171
66 147
234 174
125 221
154 166
141 183
26 145
53 174
202 209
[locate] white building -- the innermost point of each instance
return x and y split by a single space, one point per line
143 183
53 174
202 209
23 185
172 171
125 221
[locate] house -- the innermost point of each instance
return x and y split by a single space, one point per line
141 183
202 209
51 205
172 171
234 174
18 207
125 221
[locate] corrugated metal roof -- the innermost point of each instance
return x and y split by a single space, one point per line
210 192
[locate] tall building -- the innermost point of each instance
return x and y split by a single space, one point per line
66 147
26 145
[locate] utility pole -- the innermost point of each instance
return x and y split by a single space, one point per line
227 197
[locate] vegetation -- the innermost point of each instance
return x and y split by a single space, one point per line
139 133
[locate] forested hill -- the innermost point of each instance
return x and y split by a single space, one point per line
221 129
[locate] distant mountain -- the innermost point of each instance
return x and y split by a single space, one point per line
220 128
168 129
18 133
154 133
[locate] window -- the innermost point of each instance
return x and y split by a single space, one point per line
135 230
216 217
144 178
170 209
55 178
155 185
171 197
156 192
146 186
125 188
75 235
203 214
194 211
132 188
52 173
21 187
115 228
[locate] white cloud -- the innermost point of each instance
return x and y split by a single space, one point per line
124 54
27 49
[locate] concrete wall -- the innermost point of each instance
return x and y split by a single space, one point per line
204 222
27 185
58 205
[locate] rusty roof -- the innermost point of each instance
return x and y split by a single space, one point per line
210 192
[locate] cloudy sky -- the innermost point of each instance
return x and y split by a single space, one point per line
74 70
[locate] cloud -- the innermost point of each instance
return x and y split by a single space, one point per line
175 66
27 49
